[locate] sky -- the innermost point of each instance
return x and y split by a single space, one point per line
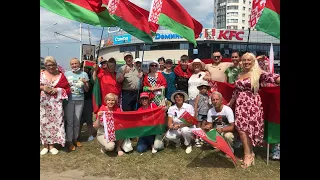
64 48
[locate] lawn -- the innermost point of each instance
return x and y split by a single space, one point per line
171 163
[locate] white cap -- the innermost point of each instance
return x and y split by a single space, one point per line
137 60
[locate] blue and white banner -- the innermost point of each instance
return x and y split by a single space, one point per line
122 39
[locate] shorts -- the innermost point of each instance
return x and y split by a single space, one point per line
202 117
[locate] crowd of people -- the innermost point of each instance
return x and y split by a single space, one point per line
66 101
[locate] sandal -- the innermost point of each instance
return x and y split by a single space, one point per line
120 153
248 161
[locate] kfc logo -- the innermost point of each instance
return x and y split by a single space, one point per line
209 34
229 34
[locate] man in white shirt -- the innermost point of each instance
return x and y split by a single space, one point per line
221 118
176 127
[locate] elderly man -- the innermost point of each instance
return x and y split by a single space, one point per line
215 71
129 77
221 118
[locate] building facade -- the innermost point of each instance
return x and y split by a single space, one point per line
232 14
170 45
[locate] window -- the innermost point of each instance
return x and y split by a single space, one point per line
249 9
249 2
243 21
232 7
228 27
244 8
232 27
184 45
232 14
127 48
242 28
232 20
244 1
243 15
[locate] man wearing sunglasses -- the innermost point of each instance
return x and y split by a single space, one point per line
215 71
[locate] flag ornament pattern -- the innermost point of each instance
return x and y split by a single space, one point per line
108 123
155 11
187 119
113 5
88 63
216 140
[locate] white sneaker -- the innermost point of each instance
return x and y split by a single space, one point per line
189 149
198 144
44 151
154 151
90 138
54 151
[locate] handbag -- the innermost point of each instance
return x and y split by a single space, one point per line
127 145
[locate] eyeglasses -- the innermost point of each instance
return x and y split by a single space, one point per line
234 56
50 65
153 65
216 57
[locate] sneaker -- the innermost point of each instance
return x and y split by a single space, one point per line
102 150
189 149
90 138
54 151
44 151
198 144
154 151
72 148
78 144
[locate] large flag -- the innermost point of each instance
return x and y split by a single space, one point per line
132 19
130 124
256 11
269 21
96 96
170 14
216 140
88 63
86 11
270 97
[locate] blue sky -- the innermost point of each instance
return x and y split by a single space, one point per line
63 48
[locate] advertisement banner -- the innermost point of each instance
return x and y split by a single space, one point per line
126 38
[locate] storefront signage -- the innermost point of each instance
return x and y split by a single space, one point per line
122 39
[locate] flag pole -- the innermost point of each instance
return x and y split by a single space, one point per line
248 39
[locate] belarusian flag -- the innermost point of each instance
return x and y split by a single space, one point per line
88 63
187 119
269 21
86 11
132 19
170 14
216 140
96 96
130 124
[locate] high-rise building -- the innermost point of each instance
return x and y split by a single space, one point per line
232 14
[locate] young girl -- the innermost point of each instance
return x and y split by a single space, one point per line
111 105
146 141
201 106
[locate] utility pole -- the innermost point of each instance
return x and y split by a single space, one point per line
89 34
80 42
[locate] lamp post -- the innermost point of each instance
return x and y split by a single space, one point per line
40 35
48 49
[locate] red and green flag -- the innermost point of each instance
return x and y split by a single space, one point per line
269 21
96 96
170 14
86 11
88 64
130 124
216 140
187 119
132 19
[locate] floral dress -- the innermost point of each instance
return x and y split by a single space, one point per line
248 109
52 129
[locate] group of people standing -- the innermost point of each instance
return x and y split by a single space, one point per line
185 87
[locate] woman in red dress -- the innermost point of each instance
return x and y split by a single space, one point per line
248 109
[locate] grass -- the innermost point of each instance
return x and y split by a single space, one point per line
171 163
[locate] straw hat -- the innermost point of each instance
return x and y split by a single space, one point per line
197 61
186 97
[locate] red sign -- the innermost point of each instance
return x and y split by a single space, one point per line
257 7
229 34
209 34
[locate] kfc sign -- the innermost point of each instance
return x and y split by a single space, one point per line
229 34
210 34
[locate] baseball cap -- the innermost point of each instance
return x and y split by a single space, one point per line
127 53
137 60
144 94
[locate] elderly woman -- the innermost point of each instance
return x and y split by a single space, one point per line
107 78
78 81
54 88
197 67
176 127
248 109
155 82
